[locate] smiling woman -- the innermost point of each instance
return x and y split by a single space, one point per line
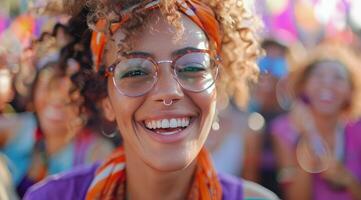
316 142
159 68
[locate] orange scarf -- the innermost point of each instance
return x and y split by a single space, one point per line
109 181
197 11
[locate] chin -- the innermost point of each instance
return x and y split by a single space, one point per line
327 111
169 166
172 160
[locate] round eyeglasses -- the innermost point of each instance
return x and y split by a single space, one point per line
136 74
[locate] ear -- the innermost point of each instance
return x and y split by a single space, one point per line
108 109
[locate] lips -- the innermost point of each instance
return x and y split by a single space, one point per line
169 129
326 95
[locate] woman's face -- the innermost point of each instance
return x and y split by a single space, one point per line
164 149
328 88
52 103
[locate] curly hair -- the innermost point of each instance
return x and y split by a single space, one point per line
333 53
240 42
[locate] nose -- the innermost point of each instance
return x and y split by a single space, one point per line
167 89
327 80
59 92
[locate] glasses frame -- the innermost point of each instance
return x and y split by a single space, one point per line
215 59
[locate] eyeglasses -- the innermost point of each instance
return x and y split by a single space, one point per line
195 71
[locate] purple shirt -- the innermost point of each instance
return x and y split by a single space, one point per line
282 128
74 185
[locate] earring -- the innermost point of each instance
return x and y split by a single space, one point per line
167 102
215 124
108 134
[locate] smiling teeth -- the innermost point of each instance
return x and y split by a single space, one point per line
326 95
167 123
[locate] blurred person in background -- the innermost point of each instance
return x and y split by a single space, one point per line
6 186
7 191
57 138
318 147
62 35
30 61
259 163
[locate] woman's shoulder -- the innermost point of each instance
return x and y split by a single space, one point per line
353 131
354 127
6 185
255 191
234 188
231 186
64 186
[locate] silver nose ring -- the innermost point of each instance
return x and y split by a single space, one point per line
167 102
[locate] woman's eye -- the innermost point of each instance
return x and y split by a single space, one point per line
133 73
340 77
192 68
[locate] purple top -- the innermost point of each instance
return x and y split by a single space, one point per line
75 184
282 128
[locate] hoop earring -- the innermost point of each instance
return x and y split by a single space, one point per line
167 102
215 124
110 134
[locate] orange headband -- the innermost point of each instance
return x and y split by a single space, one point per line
197 11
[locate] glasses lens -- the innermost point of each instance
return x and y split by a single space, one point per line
196 71
134 76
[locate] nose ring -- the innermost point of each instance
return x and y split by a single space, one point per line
167 102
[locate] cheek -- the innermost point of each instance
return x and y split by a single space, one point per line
124 108
72 112
206 102
344 91
309 88
343 87
39 100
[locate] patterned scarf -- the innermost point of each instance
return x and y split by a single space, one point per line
109 182
197 11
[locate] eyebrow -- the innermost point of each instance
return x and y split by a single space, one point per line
185 50
139 53
174 54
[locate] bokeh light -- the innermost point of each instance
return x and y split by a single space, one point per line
277 6
256 121
313 154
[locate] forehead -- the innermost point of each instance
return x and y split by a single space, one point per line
331 67
159 37
49 76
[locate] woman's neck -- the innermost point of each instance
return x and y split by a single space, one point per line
56 140
144 182
326 125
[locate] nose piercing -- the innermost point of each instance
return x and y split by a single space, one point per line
167 102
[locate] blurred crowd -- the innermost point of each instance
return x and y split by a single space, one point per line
299 136
301 133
